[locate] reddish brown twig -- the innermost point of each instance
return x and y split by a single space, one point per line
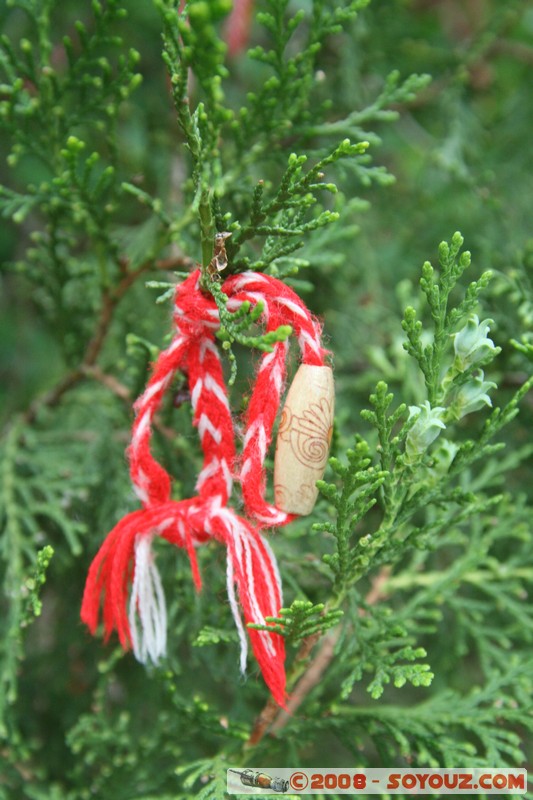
109 381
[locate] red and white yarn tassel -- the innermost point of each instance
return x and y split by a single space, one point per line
126 555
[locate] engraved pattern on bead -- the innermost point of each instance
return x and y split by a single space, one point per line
304 436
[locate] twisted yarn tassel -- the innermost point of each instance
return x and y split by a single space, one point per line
125 558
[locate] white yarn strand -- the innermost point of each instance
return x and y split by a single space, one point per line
243 640
243 552
147 610
244 546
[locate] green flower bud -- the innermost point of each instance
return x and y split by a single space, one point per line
442 458
427 427
471 343
471 396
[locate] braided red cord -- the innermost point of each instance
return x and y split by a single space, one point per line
125 557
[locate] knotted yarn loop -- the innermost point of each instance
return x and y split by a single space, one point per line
123 577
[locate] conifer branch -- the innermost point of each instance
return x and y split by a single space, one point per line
110 300
272 719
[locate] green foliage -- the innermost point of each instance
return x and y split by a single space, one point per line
413 471
132 134
286 211
210 635
443 731
215 788
234 323
301 620
437 292
33 497
42 105
36 582
291 77
360 483
383 649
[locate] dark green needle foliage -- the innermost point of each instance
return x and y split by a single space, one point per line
302 619
334 146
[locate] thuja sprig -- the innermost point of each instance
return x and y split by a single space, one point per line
382 109
414 474
46 99
283 103
360 478
153 203
282 217
356 495
443 728
34 585
384 647
233 325
420 478
455 382
15 205
437 290
82 192
209 635
523 346
476 582
190 43
389 447
302 619
87 188
42 104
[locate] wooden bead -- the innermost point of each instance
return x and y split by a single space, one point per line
304 436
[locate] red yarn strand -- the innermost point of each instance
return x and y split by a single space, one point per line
124 566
